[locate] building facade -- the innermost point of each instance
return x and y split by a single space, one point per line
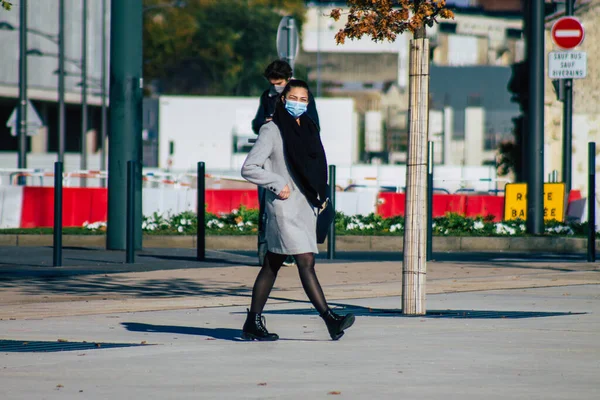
586 100
375 75
42 77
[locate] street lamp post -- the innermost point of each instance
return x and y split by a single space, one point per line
103 92
61 81
319 18
125 144
535 119
84 108
22 120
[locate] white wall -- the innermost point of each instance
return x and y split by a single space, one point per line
463 50
339 130
11 206
203 129
474 131
586 128
448 130
451 178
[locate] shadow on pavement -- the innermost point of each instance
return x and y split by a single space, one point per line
220 261
458 314
27 346
81 259
114 286
233 335
215 333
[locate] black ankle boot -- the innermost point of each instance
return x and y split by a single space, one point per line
336 324
255 329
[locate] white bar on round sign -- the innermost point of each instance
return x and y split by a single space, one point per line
568 33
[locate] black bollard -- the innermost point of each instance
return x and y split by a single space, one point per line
130 226
58 203
331 234
591 253
430 201
201 201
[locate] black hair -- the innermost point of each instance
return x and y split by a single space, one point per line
278 69
293 83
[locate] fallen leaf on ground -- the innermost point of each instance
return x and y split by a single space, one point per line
335 392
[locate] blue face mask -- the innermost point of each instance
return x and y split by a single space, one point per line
295 108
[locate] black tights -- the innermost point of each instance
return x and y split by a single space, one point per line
268 273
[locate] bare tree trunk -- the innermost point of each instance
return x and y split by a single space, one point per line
415 231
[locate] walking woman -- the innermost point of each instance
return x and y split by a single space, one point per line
288 160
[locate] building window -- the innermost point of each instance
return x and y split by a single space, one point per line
463 50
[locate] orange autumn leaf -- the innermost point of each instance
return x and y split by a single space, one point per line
385 19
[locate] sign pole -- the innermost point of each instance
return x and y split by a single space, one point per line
430 161
568 120
567 33
22 114
591 254
61 82
83 164
290 46
287 40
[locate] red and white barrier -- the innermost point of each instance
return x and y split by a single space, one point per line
11 206
29 207
79 205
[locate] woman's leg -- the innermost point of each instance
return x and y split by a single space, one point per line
336 324
310 283
265 281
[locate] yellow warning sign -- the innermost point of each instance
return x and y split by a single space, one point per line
515 201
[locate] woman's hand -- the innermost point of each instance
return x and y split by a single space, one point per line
285 193
323 206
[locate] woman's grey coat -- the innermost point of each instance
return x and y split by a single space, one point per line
291 223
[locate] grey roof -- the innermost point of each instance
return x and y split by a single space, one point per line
485 86
459 87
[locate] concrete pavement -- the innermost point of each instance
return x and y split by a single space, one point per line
503 326
165 281
515 344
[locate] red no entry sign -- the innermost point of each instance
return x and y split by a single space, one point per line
567 33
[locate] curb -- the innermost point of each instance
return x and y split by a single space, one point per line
564 245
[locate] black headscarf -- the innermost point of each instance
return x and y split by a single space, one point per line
304 154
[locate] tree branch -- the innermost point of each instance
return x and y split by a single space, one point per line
385 19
